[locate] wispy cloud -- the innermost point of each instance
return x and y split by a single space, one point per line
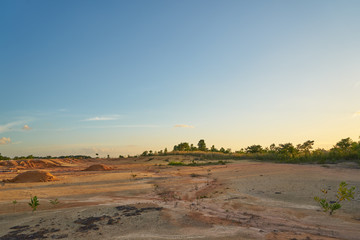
123 126
9 126
26 127
357 114
103 118
4 141
183 126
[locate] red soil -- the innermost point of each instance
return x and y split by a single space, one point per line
28 164
98 167
33 176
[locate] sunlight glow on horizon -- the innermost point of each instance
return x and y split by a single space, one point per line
124 77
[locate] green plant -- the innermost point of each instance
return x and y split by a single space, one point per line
34 203
343 193
54 202
14 203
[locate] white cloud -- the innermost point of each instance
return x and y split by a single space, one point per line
183 126
26 127
4 141
357 114
122 126
103 118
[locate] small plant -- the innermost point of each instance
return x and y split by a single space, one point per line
34 203
14 203
342 194
133 175
54 202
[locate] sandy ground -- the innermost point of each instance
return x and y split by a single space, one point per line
144 198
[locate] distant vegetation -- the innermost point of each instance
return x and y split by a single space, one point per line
344 150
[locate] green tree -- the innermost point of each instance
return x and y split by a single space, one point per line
287 150
182 147
273 148
3 157
202 145
343 145
254 149
305 147
213 149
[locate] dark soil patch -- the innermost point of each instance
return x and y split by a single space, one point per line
129 211
89 223
18 233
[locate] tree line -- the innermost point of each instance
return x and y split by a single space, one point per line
344 150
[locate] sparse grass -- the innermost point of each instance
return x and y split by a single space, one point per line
54 202
177 164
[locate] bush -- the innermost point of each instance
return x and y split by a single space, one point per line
343 194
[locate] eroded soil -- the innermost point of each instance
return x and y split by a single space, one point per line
144 198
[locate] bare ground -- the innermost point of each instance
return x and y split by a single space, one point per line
144 198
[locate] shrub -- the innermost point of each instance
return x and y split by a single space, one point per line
342 194
34 203
54 202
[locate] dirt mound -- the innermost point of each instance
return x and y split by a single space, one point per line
98 167
32 176
30 163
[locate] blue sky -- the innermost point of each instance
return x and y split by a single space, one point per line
120 77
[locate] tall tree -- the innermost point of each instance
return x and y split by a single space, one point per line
182 147
202 145
305 147
254 149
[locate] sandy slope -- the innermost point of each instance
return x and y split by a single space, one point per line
139 199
